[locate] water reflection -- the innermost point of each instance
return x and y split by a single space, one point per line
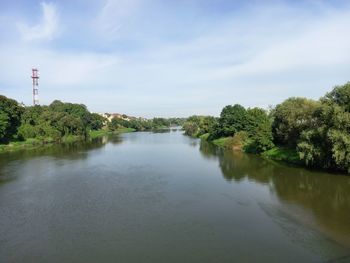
112 139
163 130
326 196
64 151
156 196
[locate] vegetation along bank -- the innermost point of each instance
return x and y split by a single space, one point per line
314 133
34 126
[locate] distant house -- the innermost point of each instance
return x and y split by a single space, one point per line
110 116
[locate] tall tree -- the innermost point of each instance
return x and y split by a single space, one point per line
10 118
290 118
258 128
326 142
232 119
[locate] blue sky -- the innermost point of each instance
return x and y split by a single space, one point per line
173 58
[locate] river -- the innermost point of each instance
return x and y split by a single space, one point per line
165 197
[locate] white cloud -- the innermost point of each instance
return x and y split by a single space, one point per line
115 14
46 29
256 58
264 46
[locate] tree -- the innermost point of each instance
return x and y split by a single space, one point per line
232 119
196 126
258 128
340 95
290 118
78 110
158 123
191 128
10 118
31 115
57 120
207 124
97 121
177 121
326 142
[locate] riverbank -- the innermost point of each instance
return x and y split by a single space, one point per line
101 133
280 154
284 155
36 143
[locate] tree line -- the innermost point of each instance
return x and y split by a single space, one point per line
317 132
47 123
141 124
60 120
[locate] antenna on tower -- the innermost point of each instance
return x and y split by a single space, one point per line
35 78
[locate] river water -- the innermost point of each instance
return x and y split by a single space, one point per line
165 197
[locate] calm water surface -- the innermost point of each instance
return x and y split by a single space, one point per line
164 197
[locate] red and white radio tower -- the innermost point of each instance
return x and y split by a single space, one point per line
35 78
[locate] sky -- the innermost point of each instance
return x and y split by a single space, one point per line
173 58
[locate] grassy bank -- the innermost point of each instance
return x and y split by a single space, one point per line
283 155
205 136
44 142
221 142
280 154
27 144
103 132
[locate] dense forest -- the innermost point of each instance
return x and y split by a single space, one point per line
315 133
61 121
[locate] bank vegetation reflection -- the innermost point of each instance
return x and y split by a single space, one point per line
326 196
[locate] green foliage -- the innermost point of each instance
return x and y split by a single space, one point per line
314 147
97 121
315 133
204 136
258 128
222 142
117 123
10 118
191 128
283 154
207 124
239 141
138 124
177 121
196 126
159 123
58 121
326 143
53 122
340 141
232 119
236 142
340 95
4 123
247 129
290 118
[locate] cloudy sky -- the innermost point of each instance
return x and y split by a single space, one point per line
173 58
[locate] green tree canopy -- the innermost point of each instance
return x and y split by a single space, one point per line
340 95
325 143
290 118
258 128
233 119
10 118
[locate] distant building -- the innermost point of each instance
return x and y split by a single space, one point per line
110 116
